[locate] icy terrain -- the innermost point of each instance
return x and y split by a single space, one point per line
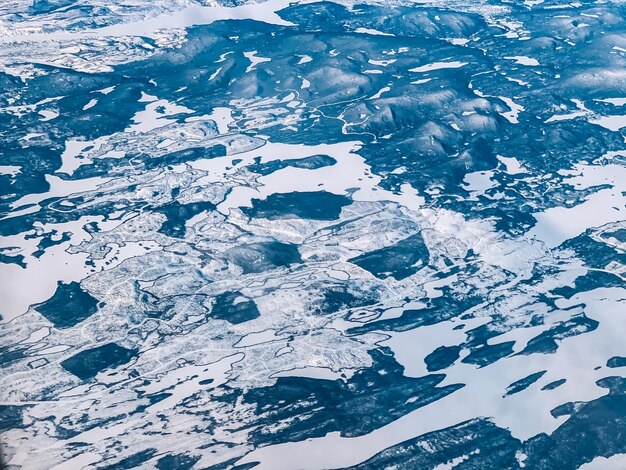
312 235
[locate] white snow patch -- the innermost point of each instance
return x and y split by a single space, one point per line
254 60
524 60
455 64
